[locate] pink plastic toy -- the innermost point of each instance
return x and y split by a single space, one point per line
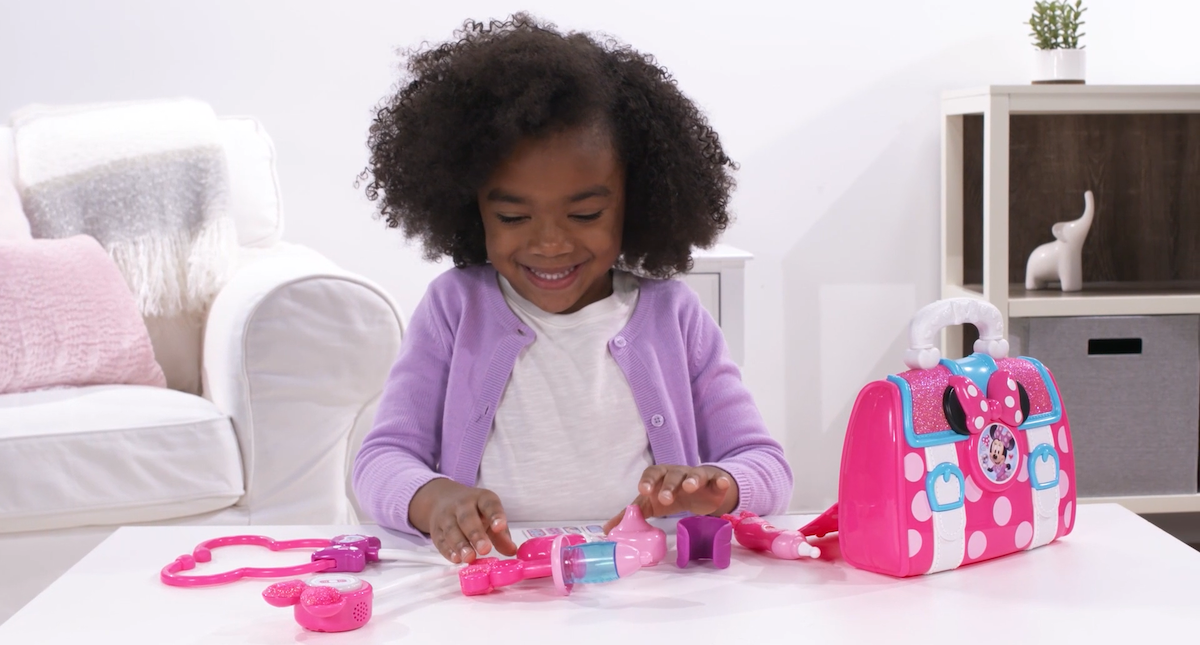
337 602
636 532
755 533
568 559
325 603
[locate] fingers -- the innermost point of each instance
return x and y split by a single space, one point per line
650 479
616 519
697 478
495 522
667 490
641 502
449 539
720 481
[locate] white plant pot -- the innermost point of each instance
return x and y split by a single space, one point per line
1059 66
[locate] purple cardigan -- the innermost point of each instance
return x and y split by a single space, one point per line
460 349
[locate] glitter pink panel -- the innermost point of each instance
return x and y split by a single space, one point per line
927 387
1026 374
321 596
287 590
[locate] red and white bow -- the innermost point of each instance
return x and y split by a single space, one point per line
1001 405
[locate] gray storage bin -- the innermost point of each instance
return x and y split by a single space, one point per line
1131 389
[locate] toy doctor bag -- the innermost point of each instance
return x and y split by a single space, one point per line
954 462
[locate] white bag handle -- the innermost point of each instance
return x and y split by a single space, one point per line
923 354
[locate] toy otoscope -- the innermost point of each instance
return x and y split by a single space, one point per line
754 532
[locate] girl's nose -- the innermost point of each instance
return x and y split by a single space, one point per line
550 239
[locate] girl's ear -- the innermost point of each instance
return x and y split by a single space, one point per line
955 415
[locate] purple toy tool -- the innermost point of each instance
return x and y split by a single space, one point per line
703 538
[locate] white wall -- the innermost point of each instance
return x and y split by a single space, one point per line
831 108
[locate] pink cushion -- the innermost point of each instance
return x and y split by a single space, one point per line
67 318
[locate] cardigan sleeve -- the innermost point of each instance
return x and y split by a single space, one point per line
400 454
730 430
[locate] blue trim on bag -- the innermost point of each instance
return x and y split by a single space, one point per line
1042 449
944 470
977 367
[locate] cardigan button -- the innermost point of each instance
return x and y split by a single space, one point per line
657 420
619 341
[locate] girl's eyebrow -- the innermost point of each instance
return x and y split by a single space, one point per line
499 195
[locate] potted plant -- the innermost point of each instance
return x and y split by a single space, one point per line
1059 56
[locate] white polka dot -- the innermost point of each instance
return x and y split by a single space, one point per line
913 467
983 406
1002 511
972 490
1024 534
979 423
976 545
920 507
1022 472
1064 484
1062 439
1012 384
1018 416
914 542
1008 401
972 391
1067 515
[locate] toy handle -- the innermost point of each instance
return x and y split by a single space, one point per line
923 354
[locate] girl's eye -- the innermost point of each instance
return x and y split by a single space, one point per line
587 218
508 219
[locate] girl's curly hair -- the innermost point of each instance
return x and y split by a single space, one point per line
471 100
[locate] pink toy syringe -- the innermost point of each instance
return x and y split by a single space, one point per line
755 533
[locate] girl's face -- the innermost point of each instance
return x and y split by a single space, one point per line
553 214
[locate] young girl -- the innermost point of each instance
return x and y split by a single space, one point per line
555 373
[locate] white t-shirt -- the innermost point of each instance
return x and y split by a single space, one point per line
567 441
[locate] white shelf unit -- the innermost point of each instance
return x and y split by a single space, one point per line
996 103
718 276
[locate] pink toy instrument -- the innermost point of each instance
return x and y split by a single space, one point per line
953 462
566 559
755 533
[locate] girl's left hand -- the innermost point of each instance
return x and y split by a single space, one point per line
667 490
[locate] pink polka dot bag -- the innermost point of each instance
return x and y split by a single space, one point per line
953 462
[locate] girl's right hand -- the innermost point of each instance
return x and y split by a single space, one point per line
463 522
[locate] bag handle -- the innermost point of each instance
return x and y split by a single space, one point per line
923 354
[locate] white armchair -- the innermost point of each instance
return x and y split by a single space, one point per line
266 400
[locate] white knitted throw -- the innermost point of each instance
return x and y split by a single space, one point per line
148 180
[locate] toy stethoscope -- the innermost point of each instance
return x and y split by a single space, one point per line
344 553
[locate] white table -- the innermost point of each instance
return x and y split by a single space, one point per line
1116 576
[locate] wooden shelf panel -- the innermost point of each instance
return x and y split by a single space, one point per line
1151 504
1107 299
1096 299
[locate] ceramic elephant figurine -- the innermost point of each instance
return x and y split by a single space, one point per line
1062 259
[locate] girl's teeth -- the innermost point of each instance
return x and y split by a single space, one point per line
551 276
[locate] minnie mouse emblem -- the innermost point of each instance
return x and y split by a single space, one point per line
991 421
